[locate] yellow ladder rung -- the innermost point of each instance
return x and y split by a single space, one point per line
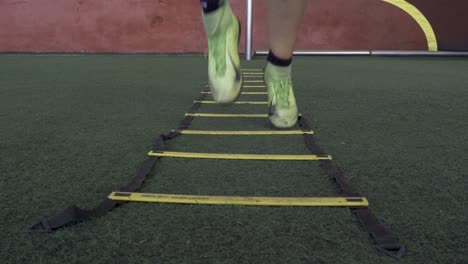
225 115
239 200
249 93
198 155
248 86
254 93
253 81
228 115
255 70
240 133
252 76
254 86
237 102
252 73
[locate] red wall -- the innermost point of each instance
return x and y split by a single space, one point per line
176 26
449 21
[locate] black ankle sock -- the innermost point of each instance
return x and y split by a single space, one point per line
211 5
278 61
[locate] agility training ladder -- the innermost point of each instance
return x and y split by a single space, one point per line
253 81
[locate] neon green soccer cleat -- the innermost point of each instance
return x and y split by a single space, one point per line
223 31
282 111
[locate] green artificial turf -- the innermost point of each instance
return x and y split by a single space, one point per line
75 128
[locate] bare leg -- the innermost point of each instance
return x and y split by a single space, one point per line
284 18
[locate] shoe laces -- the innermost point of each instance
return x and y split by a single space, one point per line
281 92
218 51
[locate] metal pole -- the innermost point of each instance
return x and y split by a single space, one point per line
248 37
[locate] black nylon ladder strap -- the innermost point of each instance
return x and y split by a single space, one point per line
384 240
73 214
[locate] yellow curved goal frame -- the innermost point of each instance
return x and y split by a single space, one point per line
422 21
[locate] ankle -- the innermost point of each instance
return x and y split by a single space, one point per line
274 72
209 6
218 18
278 68
278 61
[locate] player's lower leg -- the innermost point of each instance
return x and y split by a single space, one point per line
282 110
223 30
283 22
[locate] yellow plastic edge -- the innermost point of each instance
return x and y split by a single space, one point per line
240 200
252 73
254 86
237 102
260 132
198 155
250 93
225 115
